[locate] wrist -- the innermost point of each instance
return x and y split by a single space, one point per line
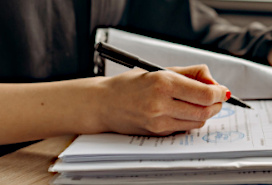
88 106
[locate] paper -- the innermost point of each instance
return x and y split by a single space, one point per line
162 166
234 132
245 79
202 156
171 179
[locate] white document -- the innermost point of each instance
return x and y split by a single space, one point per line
162 166
170 179
234 132
245 79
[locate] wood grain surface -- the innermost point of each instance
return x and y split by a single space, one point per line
29 165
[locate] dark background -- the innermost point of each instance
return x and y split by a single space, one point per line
243 12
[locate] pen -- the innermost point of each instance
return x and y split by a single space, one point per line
127 59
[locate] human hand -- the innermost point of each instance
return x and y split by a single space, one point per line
159 103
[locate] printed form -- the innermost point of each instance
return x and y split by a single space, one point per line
233 132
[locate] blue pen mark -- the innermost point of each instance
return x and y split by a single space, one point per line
223 137
187 140
225 112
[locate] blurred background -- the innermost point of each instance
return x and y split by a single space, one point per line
243 12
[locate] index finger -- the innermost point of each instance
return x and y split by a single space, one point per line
198 72
196 92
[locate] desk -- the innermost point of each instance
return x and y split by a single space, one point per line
29 165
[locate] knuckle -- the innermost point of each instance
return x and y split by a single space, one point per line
156 127
204 67
156 77
154 108
205 113
208 96
201 124
161 82
217 108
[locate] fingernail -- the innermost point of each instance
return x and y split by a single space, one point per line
228 94
202 124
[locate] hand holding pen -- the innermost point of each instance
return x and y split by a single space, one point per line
162 102
130 60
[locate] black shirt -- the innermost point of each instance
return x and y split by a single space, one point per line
44 40
37 37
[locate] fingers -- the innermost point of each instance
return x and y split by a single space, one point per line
162 102
198 72
199 93
166 125
181 116
186 111
193 91
192 102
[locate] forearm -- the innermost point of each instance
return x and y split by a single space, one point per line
41 110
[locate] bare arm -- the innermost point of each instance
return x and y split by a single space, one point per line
41 110
135 102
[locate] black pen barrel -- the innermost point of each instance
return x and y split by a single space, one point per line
117 55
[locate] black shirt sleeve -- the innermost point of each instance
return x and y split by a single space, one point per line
192 23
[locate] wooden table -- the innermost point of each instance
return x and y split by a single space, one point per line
29 165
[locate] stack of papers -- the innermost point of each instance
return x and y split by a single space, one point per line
233 147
